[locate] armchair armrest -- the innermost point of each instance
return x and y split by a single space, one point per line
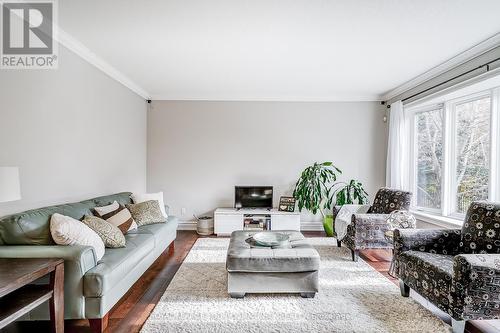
77 261
441 241
367 231
475 292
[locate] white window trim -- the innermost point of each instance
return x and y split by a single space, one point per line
495 145
447 215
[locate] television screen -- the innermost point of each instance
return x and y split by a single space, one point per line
253 197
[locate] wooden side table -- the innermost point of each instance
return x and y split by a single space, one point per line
18 296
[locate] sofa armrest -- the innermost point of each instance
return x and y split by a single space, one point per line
77 261
441 241
83 256
475 292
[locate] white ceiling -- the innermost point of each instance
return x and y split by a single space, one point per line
277 49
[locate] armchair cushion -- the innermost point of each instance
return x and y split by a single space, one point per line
441 241
481 229
388 200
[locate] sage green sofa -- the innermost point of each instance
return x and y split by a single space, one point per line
91 287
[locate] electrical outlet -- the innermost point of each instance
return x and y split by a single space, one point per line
183 211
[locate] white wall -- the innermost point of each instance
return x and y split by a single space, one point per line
198 151
74 132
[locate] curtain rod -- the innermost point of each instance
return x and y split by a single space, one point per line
487 65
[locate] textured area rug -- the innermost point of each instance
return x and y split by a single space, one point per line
353 297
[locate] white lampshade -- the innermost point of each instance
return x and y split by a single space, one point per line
10 188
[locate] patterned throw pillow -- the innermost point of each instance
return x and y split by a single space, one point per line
110 235
120 218
147 212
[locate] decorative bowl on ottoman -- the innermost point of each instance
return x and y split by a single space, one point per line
271 239
259 269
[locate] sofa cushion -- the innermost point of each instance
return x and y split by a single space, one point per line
32 227
481 228
160 231
116 264
428 274
243 257
122 198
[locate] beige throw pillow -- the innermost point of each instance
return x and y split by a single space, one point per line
147 212
110 234
66 230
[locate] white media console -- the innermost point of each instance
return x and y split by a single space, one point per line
227 220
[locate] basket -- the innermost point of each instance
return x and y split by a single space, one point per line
205 225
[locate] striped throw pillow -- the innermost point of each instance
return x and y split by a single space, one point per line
120 218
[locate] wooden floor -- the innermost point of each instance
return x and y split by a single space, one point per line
134 308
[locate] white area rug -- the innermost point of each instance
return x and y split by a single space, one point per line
353 297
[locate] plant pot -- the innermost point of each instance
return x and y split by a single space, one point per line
328 225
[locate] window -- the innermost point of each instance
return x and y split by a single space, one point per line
472 152
429 147
454 153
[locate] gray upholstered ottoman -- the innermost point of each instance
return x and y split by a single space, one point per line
255 269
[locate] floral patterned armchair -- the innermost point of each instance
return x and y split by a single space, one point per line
456 270
366 231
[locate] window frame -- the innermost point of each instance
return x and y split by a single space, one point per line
451 105
413 151
449 116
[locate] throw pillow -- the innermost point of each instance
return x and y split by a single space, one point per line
138 198
66 230
147 212
110 235
106 209
120 218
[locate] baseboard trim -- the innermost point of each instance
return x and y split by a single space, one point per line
304 226
186 225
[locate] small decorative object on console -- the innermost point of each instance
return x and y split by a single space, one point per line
287 204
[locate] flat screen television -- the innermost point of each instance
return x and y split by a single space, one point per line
253 197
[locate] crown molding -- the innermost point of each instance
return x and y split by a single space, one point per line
337 98
459 59
86 54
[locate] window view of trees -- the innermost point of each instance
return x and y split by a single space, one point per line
472 137
429 149
468 162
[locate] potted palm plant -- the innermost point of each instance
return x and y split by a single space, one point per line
314 191
351 193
